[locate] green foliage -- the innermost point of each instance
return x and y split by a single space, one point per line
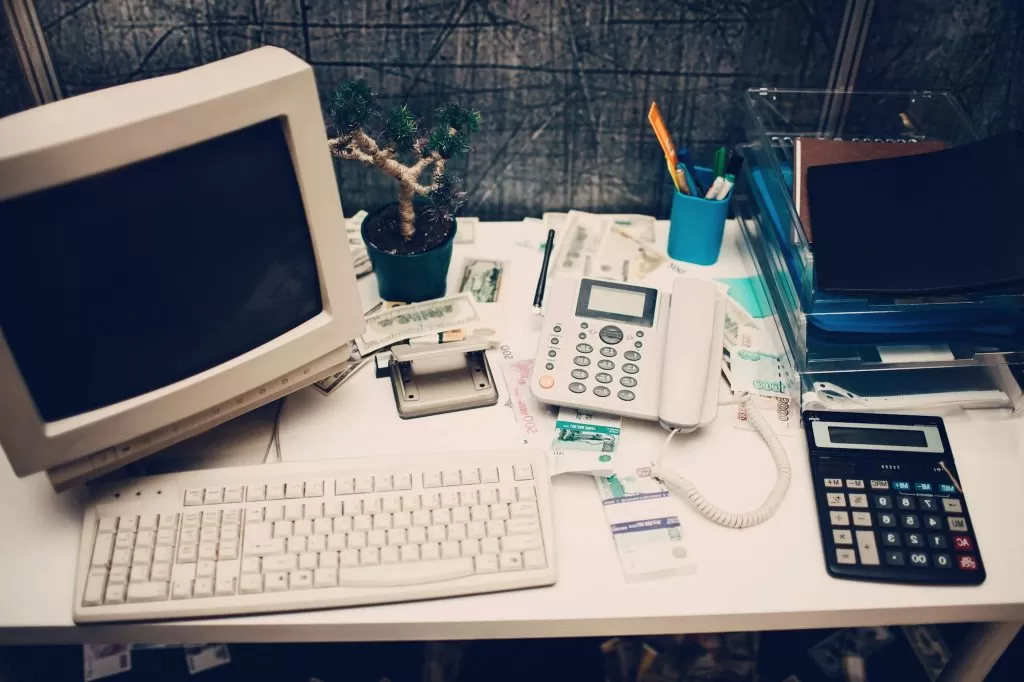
465 121
454 127
352 105
400 129
446 198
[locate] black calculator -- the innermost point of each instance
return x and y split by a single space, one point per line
890 504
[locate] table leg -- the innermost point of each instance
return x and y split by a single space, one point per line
984 644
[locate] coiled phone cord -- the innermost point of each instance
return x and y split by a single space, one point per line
688 490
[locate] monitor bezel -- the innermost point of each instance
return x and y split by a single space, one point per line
99 131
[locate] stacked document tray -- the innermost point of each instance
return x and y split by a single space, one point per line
826 333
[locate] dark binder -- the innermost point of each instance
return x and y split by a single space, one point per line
949 221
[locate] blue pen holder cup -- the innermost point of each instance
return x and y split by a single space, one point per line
696 225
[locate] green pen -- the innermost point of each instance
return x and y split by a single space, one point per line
721 157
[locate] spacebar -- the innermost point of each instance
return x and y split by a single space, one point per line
394 575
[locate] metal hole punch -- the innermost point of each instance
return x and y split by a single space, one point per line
447 377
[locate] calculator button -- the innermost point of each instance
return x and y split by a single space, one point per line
942 561
900 485
887 520
866 547
833 483
910 521
919 559
914 540
581 361
932 522
601 391
846 556
952 505
608 352
610 334
879 485
966 562
922 487
836 499
579 374
842 537
927 503
962 543
631 355
858 500
626 395
584 348
957 523
630 368
839 518
628 381
894 558
890 539
606 364
577 387
948 488
883 501
905 503
855 483
937 541
861 518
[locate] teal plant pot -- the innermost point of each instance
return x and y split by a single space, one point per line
409 278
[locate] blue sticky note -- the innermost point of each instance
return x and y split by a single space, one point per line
748 292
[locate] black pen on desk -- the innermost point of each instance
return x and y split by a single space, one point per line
538 294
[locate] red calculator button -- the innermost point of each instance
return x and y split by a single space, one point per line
967 563
962 543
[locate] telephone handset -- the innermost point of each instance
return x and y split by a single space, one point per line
631 350
638 352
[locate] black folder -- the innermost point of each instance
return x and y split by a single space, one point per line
946 222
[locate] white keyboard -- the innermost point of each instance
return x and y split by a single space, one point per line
305 535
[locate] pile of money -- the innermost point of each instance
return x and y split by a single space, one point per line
481 279
614 247
387 327
360 256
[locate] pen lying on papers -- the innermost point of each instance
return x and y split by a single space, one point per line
538 295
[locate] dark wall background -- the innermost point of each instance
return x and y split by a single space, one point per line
563 85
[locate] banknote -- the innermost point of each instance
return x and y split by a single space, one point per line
781 413
536 420
104 660
387 327
465 232
640 227
584 442
578 242
624 258
360 256
482 279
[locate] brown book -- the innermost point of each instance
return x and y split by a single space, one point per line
810 151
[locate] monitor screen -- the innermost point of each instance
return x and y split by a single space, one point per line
121 283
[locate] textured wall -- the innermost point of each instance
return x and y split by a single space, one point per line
14 96
563 85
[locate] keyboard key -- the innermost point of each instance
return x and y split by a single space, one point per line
146 592
314 489
181 589
910 521
233 494
927 504
225 585
533 560
193 497
275 491
918 559
102 549
901 485
308 561
855 483
450 477
846 556
293 490
403 481
256 493
522 472
523 543
932 522
951 505
489 474
510 561
522 526
251 583
866 547
470 476
371 506
839 518
363 484
391 504
118 575
862 518
296 544
332 509
891 539
942 561
300 580
966 562
905 503
349 558
937 541
95 584
836 499
879 485
214 495
325 577
328 560
887 520
275 582
409 553
430 551
282 562
915 540
344 486
958 523
962 543
895 558
205 569
883 501
115 594
369 556
948 488
922 487
147 522
485 563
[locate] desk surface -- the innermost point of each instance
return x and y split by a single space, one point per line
768 577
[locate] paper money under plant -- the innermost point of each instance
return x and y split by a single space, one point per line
482 279
387 327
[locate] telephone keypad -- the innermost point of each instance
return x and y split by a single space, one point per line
630 368
577 387
608 352
631 355
610 334
606 364
626 395
584 348
629 382
579 374
603 377
581 361
601 391
598 341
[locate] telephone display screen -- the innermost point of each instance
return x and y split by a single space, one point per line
617 301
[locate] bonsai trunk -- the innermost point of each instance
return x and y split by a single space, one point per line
406 212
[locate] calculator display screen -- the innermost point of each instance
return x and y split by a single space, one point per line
846 435
617 301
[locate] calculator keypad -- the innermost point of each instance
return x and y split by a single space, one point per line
913 528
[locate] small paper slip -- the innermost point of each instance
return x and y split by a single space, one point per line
205 656
584 442
104 660
647 533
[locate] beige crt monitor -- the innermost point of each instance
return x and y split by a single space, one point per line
172 254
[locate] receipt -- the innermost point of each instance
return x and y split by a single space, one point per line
647 533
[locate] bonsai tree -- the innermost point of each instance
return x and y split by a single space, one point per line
354 106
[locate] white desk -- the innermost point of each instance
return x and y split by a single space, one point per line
768 577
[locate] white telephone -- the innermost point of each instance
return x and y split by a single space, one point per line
633 351
639 352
